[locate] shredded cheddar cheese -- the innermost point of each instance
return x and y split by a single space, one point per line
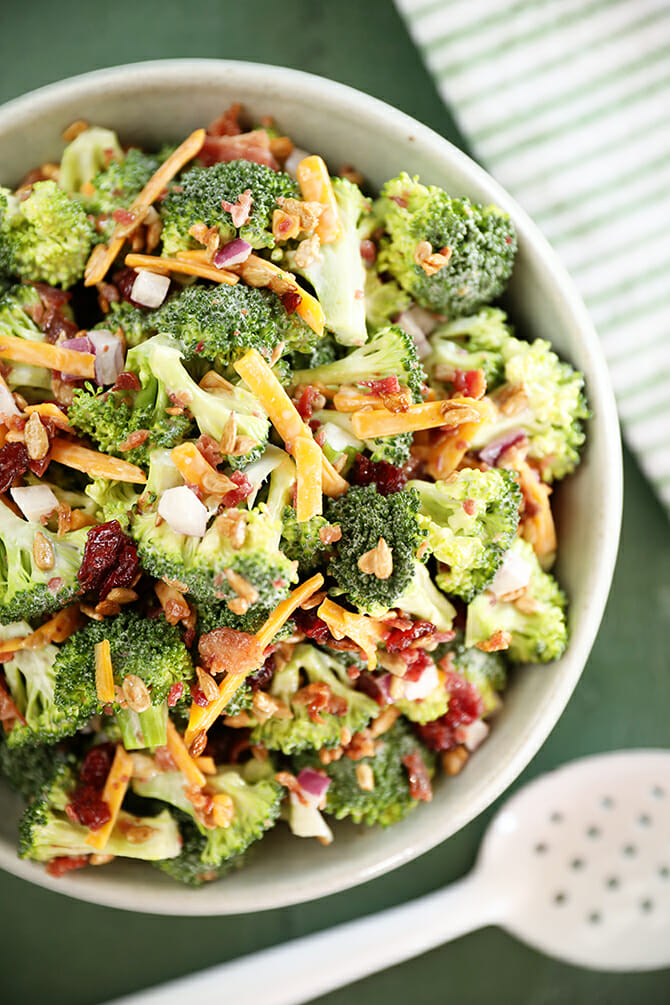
113 794
182 758
95 464
53 357
196 470
316 186
309 495
366 632
426 415
57 629
189 267
104 673
283 611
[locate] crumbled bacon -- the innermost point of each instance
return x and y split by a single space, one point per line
318 698
252 146
240 211
309 399
110 559
419 779
227 124
9 713
465 705
57 867
209 449
385 385
471 383
14 462
198 696
387 477
237 495
224 649
175 693
401 639
86 807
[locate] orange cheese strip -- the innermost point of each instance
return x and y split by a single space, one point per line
53 357
256 271
182 758
196 470
187 266
316 186
309 494
57 629
113 794
94 464
47 410
102 257
366 632
539 528
104 673
283 611
202 717
284 416
427 415
350 399
445 456
205 764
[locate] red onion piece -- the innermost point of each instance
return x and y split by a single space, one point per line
313 783
108 356
490 454
233 253
81 343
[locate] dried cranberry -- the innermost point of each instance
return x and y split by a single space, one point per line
262 677
57 867
387 477
385 385
305 403
87 808
291 301
312 626
110 559
465 705
125 280
370 685
239 494
95 766
401 639
14 462
39 467
417 661
198 696
175 693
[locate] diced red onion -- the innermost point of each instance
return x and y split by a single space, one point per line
313 783
474 734
8 406
34 501
383 681
108 351
293 159
408 323
415 690
183 512
81 343
150 288
513 574
491 453
233 253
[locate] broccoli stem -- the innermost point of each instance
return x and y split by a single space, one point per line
143 729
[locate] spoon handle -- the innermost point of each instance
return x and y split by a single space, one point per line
299 970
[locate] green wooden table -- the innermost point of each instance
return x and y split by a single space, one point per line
55 950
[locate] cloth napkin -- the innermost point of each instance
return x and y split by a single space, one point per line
567 104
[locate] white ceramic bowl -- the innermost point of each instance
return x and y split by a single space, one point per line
151 103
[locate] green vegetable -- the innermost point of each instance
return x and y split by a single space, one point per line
116 186
383 301
86 156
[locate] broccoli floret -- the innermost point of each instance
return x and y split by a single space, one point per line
423 710
46 831
383 301
392 449
470 343
116 187
112 500
86 156
256 808
390 352
16 306
220 323
199 192
306 730
200 564
211 616
471 520
487 671
390 799
148 648
481 240
26 590
188 867
137 323
365 516
539 631
422 599
553 411
28 769
46 237
337 272
31 679
301 542
325 350
159 359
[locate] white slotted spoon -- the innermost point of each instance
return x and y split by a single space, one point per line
576 864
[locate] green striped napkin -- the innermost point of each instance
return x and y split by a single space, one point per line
567 103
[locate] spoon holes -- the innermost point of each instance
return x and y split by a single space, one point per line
629 850
657 792
560 898
556 817
612 883
664 872
644 820
646 906
607 803
541 848
595 917
577 864
593 832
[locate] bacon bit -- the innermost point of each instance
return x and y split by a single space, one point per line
224 650
291 783
240 211
14 462
419 779
470 383
135 439
318 697
429 261
110 559
57 867
252 146
308 252
9 713
227 124
378 561
361 745
330 534
284 225
498 641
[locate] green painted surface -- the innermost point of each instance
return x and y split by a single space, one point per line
57 951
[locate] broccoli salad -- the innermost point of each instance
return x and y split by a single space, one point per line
276 479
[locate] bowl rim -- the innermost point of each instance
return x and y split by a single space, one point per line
153 73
